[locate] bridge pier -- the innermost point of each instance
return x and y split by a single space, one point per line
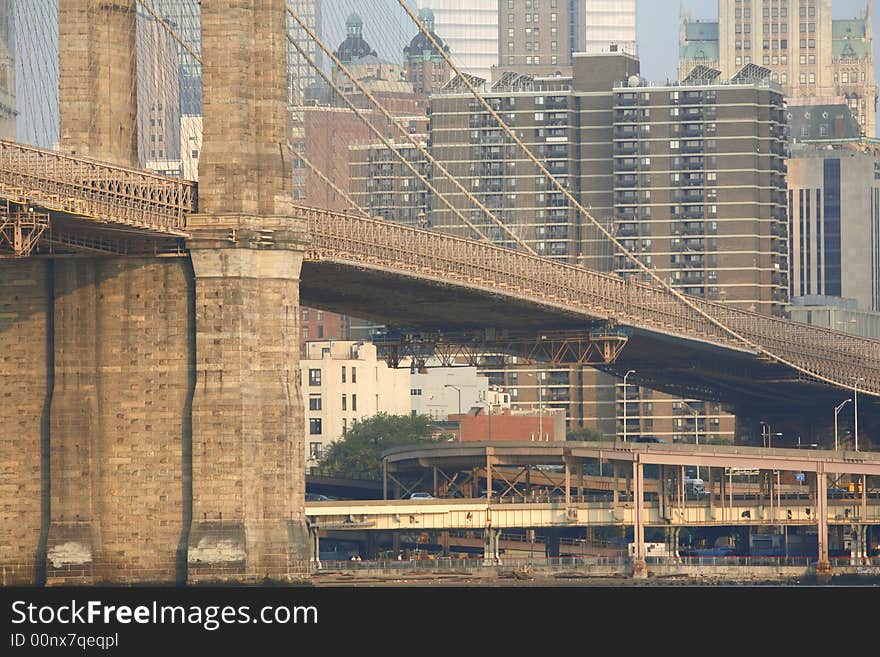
119 425
25 390
491 555
639 563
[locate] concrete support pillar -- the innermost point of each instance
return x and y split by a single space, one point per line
248 426
490 452
639 564
676 542
26 370
315 548
96 52
567 466
823 565
491 555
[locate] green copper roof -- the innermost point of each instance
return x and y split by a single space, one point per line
700 50
701 31
849 38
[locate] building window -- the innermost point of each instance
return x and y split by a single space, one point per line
315 426
316 451
343 373
354 402
314 377
415 392
344 403
314 403
354 374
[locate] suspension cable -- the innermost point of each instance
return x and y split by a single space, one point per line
424 152
663 284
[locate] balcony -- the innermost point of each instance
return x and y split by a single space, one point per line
626 148
692 146
625 132
627 230
689 196
626 116
690 277
692 130
626 164
627 99
692 163
627 181
690 228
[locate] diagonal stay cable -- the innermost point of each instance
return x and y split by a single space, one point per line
403 131
663 284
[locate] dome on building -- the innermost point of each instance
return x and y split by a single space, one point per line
354 47
420 44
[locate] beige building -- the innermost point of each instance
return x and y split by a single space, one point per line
343 382
808 53
534 37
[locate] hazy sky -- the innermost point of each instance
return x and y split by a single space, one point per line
658 23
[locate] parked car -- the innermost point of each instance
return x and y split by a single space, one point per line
317 497
421 496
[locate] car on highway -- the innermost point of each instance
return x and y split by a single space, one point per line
317 497
421 496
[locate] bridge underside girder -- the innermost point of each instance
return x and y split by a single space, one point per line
679 366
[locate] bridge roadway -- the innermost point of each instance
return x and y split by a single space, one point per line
409 277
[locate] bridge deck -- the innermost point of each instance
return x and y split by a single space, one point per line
76 191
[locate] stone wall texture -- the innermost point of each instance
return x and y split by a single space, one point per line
25 374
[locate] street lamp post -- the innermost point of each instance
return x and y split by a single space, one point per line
458 390
856 409
836 411
628 372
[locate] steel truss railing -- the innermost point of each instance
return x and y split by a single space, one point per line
94 190
394 247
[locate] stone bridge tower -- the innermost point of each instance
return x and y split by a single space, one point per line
248 450
156 401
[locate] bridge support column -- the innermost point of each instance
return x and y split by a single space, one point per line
491 554
248 432
119 420
26 384
96 44
551 543
823 564
639 563
314 547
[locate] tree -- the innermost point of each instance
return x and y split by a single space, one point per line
358 454
584 434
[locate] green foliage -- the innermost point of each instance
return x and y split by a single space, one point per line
358 455
584 434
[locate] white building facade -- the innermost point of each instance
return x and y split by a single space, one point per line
610 23
470 29
342 382
444 391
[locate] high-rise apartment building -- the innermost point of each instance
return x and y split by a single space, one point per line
470 29
534 37
700 192
158 95
834 221
185 17
609 25
301 75
812 56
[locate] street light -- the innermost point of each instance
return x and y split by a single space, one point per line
628 372
836 411
458 390
856 409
